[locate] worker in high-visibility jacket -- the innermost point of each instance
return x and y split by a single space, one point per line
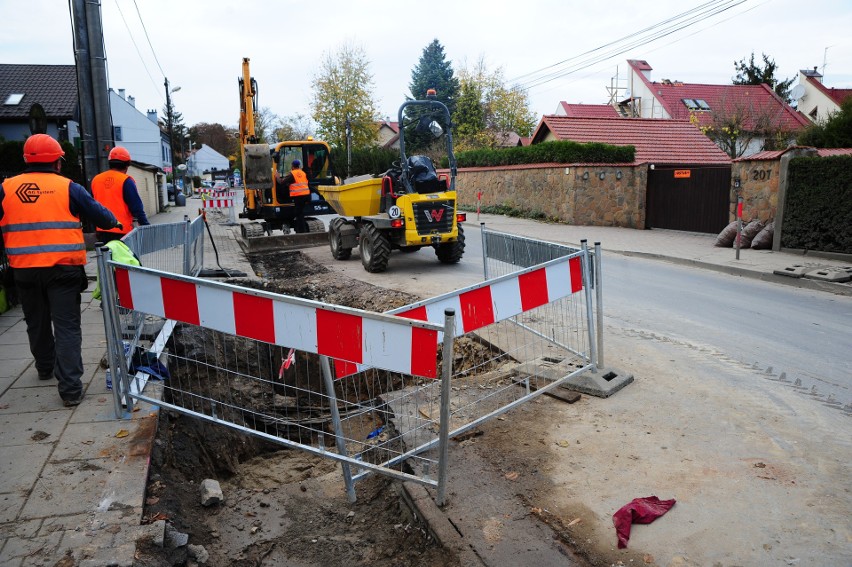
299 192
40 214
117 191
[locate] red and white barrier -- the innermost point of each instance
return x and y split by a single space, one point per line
358 337
495 300
218 199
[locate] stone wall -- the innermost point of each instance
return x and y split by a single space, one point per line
758 187
586 195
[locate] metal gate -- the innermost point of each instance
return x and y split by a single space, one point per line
695 199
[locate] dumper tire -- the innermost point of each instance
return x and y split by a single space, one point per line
335 240
375 249
451 252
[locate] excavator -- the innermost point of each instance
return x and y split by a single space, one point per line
267 205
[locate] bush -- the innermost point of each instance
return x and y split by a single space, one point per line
549 152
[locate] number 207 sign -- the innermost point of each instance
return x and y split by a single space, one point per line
682 173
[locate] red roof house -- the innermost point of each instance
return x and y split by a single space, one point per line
656 141
586 110
758 105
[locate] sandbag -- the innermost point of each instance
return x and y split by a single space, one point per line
727 236
763 240
749 232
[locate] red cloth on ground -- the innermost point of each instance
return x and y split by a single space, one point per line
639 511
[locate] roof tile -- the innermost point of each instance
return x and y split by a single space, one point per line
52 86
656 140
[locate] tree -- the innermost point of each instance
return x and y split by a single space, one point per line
751 74
737 124
834 132
295 127
432 71
342 91
219 137
488 111
178 129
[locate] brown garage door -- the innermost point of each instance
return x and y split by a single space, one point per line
695 199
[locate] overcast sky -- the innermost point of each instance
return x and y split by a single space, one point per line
199 45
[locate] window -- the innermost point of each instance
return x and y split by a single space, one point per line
691 104
116 133
702 104
814 113
14 99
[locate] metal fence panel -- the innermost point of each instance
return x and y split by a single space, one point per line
260 363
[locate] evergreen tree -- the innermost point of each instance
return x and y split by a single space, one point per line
432 71
752 74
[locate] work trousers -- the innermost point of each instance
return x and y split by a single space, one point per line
300 225
50 298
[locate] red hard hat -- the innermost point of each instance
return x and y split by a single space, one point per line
119 154
41 148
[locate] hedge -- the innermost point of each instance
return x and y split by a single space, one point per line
12 161
549 152
818 206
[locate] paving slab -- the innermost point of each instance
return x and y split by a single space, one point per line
21 465
39 550
27 428
76 486
31 399
10 506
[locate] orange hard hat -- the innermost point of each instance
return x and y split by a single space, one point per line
41 148
119 154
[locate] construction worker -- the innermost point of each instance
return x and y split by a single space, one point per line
117 191
300 193
40 214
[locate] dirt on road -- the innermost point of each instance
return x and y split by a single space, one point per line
759 472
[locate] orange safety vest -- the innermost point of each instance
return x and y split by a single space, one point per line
39 230
299 187
107 189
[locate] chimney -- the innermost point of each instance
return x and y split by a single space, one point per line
152 116
121 93
132 101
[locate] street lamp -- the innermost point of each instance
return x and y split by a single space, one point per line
169 91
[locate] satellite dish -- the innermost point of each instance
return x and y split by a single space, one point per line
38 119
798 92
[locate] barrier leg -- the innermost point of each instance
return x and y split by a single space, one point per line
444 432
338 427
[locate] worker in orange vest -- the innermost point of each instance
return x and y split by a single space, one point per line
300 194
40 214
117 191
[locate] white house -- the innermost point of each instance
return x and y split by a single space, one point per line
137 132
204 160
815 100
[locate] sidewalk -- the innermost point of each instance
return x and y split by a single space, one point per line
72 480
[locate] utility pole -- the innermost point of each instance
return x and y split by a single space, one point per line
348 146
171 128
93 91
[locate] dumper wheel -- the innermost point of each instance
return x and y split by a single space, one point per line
335 241
375 249
451 252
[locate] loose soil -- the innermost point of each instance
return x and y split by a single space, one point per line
282 506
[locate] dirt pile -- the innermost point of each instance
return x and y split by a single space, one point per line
282 507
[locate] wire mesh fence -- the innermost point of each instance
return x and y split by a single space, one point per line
285 369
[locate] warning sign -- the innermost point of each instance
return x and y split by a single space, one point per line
682 173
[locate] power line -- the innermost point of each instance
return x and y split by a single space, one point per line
130 34
696 32
667 20
704 12
657 34
154 53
